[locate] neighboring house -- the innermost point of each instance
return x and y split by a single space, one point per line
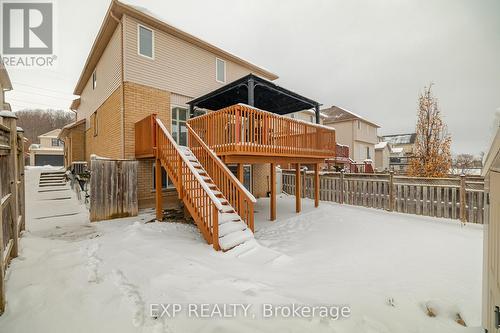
382 156
491 261
403 150
50 150
307 115
139 65
5 85
73 136
354 131
405 141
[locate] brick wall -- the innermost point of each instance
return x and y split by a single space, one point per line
107 142
141 101
77 136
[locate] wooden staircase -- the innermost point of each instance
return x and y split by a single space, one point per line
220 205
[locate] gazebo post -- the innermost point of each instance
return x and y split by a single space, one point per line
273 192
317 113
251 88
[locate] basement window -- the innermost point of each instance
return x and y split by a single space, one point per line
145 44
165 181
220 70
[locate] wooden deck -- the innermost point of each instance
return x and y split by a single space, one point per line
241 134
246 131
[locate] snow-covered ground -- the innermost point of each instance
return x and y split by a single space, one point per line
73 276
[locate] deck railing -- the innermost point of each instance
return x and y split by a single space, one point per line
241 129
234 191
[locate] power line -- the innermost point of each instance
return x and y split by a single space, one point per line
30 104
35 87
38 94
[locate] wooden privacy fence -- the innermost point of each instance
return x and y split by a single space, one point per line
460 198
113 189
12 204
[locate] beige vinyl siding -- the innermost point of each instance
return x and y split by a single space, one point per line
178 66
181 100
108 71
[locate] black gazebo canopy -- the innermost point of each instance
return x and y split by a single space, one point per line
258 92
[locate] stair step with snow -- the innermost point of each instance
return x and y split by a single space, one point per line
234 239
233 226
228 217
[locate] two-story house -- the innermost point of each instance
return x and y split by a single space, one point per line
139 65
354 131
50 150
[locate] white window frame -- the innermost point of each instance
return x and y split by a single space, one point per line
94 79
139 26
188 116
225 67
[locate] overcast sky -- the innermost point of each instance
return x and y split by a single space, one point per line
370 57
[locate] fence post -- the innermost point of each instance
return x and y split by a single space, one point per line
342 186
463 218
9 118
22 190
2 277
391 191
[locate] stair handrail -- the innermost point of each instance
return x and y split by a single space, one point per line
223 166
210 194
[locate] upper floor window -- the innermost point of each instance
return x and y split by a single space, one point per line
56 143
94 80
368 153
145 41
220 70
95 124
359 124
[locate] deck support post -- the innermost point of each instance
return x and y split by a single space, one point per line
316 185
298 194
239 172
158 197
215 228
273 192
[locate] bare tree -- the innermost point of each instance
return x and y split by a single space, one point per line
432 144
38 121
463 163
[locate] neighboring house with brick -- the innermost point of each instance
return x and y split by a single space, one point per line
139 65
50 150
73 136
354 131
